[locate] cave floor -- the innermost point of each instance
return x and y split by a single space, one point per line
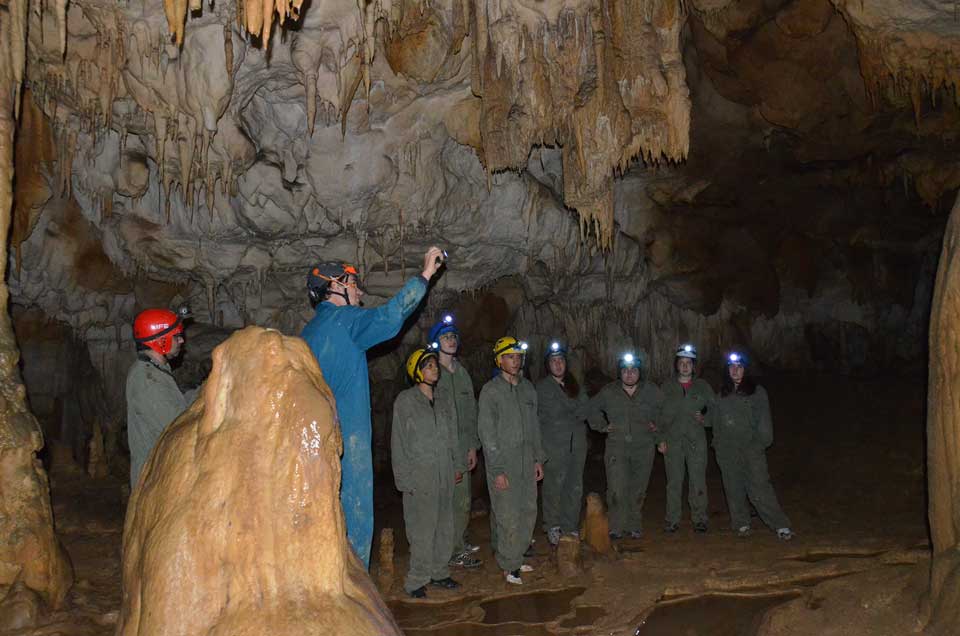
848 466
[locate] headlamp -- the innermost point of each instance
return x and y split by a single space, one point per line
448 319
555 346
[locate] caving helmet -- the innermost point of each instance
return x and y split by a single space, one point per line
416 361
555 348
508 344
735 357
156 328
443 326
687 351
630 360
321 275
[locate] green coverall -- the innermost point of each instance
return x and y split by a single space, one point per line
153 401
459 387
686 447
510 435
425 457
564 439
630 448
742 431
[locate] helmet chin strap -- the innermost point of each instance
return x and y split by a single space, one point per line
342 294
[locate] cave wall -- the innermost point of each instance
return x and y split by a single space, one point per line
943 437
29 550
537 144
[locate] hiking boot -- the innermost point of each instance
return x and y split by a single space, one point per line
700 527
744 531
553 535
446 583
469 548
526 568
616 536
513 578
464 560
636 534
420 592
785 534
670 528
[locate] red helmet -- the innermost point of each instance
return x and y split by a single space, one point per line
155 328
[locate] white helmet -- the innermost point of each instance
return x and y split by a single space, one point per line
687 351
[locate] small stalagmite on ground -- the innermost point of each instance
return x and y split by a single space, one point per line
596 526
236 526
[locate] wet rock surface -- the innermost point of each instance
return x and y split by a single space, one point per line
848 525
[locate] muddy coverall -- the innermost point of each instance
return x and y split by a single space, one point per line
459 387
564 439
153 401
339 338
630 448
425 456
686 447
742 431
510 435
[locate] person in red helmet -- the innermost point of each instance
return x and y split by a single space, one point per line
153 397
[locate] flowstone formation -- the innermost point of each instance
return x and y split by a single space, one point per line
210 549
30 554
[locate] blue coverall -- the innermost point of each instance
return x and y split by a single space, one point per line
339 338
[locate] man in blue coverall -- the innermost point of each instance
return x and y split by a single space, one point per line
339 335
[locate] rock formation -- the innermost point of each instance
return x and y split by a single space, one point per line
30 554
943 435
236 525
596 526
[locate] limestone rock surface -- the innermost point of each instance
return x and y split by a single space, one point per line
236 526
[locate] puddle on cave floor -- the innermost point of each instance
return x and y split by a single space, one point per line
817 557
516 615
711 615
536 607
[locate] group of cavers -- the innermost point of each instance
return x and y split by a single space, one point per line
529 433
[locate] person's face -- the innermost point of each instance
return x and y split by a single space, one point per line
510 363
736 373
449 342
685 367
176 345
557 366
430 370
630 376
350 288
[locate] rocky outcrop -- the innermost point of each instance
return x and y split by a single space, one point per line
236 525
943 435
30 553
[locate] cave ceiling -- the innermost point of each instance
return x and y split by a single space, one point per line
621 172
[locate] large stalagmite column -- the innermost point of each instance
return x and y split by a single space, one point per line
236 526
943 433
29 550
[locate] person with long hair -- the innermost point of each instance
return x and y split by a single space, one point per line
626 410
742 431
686 401
564 438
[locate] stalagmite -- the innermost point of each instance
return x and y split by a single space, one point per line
248 476
943 436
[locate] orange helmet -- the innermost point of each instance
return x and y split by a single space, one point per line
155 329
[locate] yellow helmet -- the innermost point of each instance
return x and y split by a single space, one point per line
417 358
508 344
